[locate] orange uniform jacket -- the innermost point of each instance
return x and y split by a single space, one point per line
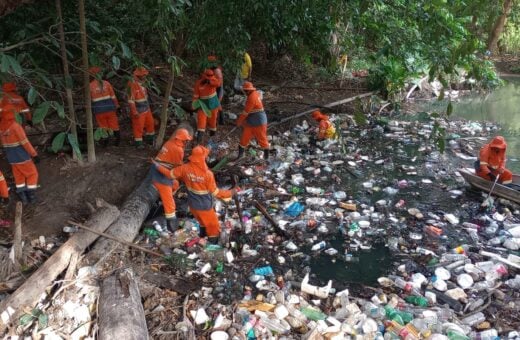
170 156
4 191
138 99
207 92
490 159
103 97
17 148
18 102
200 182
325 129
253 114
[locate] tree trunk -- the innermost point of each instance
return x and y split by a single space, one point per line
32 290
164 111
88 109
133 212
67 77
17 241
499 26
121 314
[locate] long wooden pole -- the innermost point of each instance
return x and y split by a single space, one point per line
110 237
329 105
17 242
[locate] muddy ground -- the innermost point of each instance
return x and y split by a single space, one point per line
66 188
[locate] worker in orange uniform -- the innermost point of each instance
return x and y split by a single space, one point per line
202 190
11 97
104 104
326 129
140 111
253 120
492 162
170 156
205 90
4 189
19 151
219 74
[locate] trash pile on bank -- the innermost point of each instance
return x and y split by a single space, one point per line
455 265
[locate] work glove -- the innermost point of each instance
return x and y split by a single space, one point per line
501 171
172 224
36 159
492 177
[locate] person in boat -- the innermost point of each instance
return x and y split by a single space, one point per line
492 162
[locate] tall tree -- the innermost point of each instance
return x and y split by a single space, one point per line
67 77
88 107
499 26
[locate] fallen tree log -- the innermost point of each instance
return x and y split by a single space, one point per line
329 105
31 291
133 213
121 314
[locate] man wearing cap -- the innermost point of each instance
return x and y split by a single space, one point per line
326 129
140 112
253 120
11 97
104 104
20 154
492 162
205 91
170 157
202 190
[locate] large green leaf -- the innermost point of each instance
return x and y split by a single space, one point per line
59 109
127 53
4 66
41 112
15 65
75 145
116 63
31 96
58 141
26 319
43 321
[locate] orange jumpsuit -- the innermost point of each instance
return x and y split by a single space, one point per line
170 156
4 190
140 112
254 121
202 190
18 151
10 97
104 104
492 160
205 89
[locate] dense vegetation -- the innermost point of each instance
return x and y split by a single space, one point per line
400 41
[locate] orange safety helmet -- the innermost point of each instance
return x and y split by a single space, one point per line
208 73
498 143
212 58
182 134
317 115
199 154
141 72
248 86
9 87
94 70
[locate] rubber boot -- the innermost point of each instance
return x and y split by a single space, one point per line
104 142
241 151
172 224
139 144
212 133
200 137
31 196
23 197
266 154
220 118
149 139
117 138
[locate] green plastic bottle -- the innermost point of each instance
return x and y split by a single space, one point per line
417 300
454 335
401 317
151 232
313 314
220 267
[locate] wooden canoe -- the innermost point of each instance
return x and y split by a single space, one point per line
500 190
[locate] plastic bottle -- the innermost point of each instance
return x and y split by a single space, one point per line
462 249
474 319
514 283
453 257
157 226
417 300
488 334
400 317
265 271
319 246
151 232
313 314
374 311
454 335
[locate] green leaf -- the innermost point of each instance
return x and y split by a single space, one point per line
441 95
110 74
59 109
73 141
58 141
126 50
116 62
41 112
43 321
26 319
100 133
4 67
31 96
15 65
449 109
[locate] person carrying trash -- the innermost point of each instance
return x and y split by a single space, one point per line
104 104
170 156
140 112
492 162
20 154
253 120
205 93
202 190
326 129
11 97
